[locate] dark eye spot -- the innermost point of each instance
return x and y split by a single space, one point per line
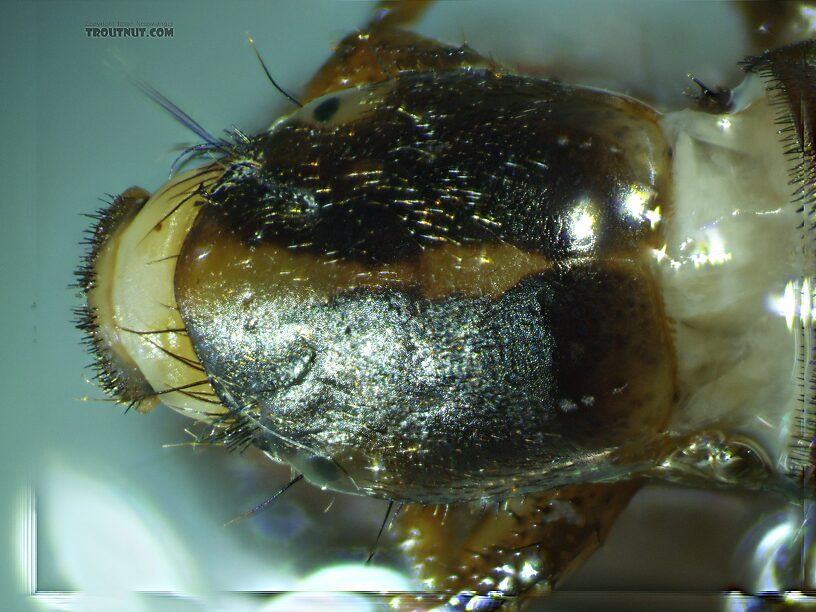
326 109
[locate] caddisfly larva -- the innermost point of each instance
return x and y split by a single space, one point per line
443 282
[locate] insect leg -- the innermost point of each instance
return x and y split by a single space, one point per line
527 545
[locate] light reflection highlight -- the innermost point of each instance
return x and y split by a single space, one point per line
809 17
766 557
319 591
582 226
784 305
780 552
635 205
101 541
795 304
710 251
112 548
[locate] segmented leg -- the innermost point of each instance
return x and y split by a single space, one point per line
381 50
521 547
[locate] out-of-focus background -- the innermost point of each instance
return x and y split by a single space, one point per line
105 511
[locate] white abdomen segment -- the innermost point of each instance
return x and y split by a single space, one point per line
730 270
